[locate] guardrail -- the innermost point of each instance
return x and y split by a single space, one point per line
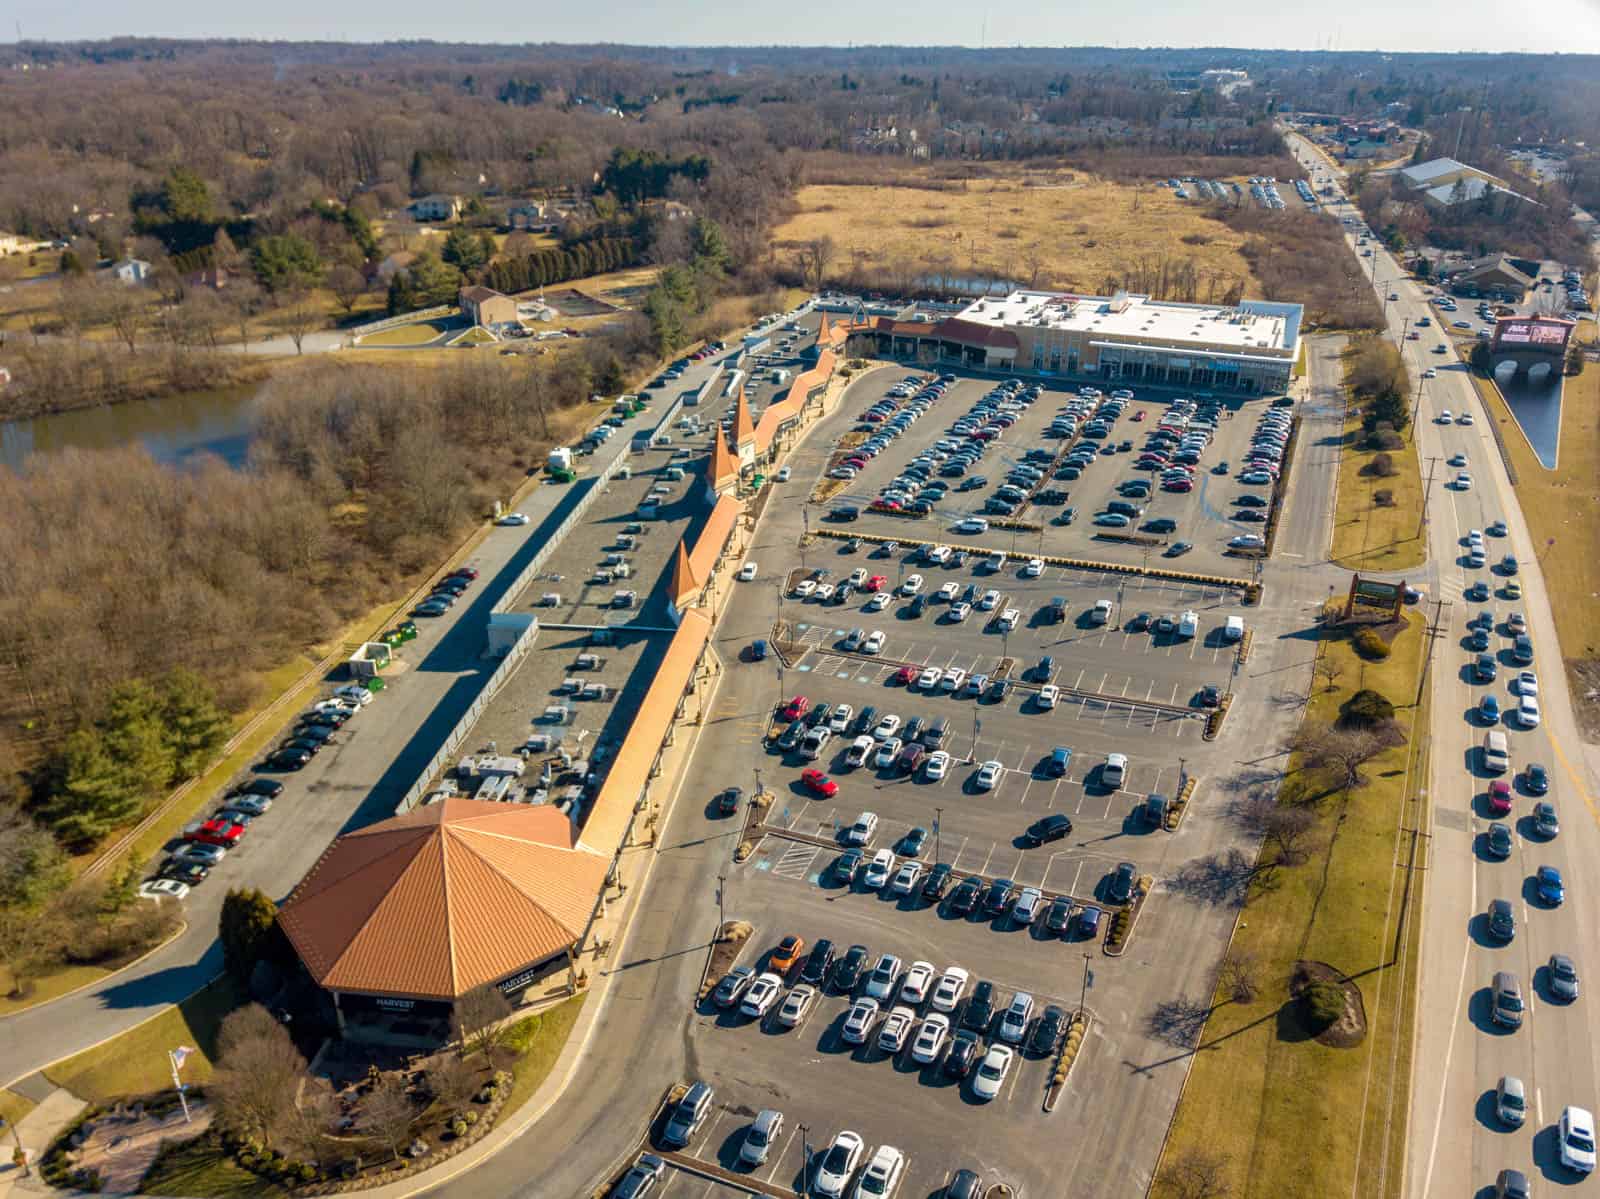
393 322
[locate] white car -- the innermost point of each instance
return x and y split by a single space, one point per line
1463 481
928 680
1033 569
888 751
858 1023
989 774
950 989
1576 1134
906 878
1528 711
948 592
823 593
861 831
930 1037
1247 541
886 727
359 696
878 870
878 602
959 612
859 751
804 589
164 888
747 572
1048 695
836 1163
1009 619
912 585
839 718
881 979
992 1070
1029 902
783 474
513 519
874 642
973 524
1115 772
796 1004
914 988
763 993
896 1028
881 1178
936 765
1433 373
1527 682
953 678
990 601
1444 416
1464 419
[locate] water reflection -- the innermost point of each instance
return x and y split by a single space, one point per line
173 428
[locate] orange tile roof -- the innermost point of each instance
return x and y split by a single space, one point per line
789 407
722 466
683 582
713 537
630 770
443 899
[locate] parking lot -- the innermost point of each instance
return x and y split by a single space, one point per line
1205 517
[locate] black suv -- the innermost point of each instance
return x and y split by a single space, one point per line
847 972
688 1114
938 880
965 897
1051 828
980 1008
818 963
999 899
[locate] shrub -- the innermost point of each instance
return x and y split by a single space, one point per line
1383 498
1382 439
1366 708
1383 466
1323 1004
458 1127
1371 646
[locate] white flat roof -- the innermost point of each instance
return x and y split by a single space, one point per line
1252 325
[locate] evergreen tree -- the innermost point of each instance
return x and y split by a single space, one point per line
245 929
89 793
136 737
196 726
285 262
464 250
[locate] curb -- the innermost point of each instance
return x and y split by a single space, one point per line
1180 805
1079 1023
1133 909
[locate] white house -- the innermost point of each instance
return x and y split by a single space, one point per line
131 270
437 207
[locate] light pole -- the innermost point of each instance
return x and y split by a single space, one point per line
1083 995
938 822
805 1158
21 1154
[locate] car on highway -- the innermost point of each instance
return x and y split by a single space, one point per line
1510 1101
1497 841
1547 883
1562 972
1535 779
1575 1136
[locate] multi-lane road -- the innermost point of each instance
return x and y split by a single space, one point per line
1457 1146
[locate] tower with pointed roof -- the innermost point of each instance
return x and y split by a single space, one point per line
722 470
684 585
744 430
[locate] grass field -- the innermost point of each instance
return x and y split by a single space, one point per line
136 1062
1303 1120
52 986
538 1042
196 1168
1051 229
14 1106
1563 506
1366 536
418 333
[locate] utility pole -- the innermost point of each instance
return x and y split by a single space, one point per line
805 1159
1083 995
1434 631
938 823
1427 494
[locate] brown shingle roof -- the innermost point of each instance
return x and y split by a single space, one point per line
972 333
443 899
477 294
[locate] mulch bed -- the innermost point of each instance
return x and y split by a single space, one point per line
1350 1029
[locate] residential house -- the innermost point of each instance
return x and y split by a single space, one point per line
385 271
1495 275
532 217
15 243
485 306
215 278
437 207
134 271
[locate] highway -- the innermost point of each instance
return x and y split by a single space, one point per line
1456 1145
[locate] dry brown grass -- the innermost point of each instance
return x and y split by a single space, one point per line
1000 226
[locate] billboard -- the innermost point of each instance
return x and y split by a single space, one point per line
1523 333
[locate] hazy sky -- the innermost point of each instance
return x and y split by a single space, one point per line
1548 25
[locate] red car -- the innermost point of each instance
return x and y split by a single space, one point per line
1499 798
875 583
219 830
796 708
818 783
464 572
1178 485
906 675
1139 415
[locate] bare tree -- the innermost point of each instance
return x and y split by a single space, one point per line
1240 974
1221 879
258 1073
816 256
301 314
1329 668
1179 1021
1344 751
348 285
480 1017
1199 1174
244 299
452 1081
1289 829
387 1113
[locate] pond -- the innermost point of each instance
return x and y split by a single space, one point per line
173 428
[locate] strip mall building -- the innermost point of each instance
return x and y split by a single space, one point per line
1249 347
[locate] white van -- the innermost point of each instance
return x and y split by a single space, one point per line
1101 612
1496 752
1188 624
1115 772
1234 629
